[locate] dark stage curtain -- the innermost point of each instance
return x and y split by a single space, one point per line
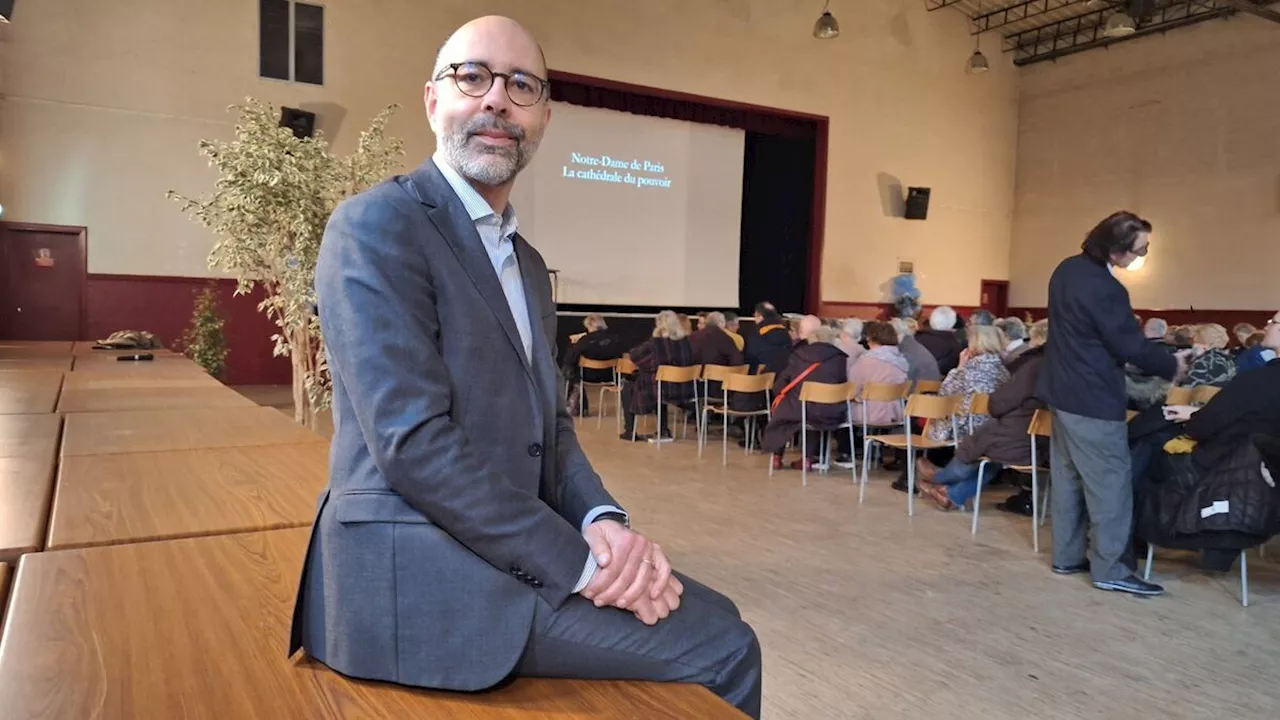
777 220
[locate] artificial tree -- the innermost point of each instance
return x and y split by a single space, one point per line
204 340
269 208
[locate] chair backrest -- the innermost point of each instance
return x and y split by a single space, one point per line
626 367
1178 395
925 387
826 393
675 374
721 372
980 404
1204 394
880 392
1041 424
589 364
748 383
932 407
1130 414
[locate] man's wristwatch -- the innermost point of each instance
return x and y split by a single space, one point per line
616 517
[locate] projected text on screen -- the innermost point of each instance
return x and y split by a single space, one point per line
635 172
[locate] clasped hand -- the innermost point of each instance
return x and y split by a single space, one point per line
632 574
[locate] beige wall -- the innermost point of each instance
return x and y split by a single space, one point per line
1183 129
105 101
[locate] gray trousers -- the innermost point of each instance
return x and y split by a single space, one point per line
705 641
1092 486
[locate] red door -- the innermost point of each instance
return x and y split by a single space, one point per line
41 282
995 297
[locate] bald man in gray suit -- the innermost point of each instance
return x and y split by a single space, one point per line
464 536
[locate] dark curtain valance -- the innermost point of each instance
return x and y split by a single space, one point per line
589 92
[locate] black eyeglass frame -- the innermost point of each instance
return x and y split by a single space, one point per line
451 71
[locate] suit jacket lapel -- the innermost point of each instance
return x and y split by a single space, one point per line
451 219
541 362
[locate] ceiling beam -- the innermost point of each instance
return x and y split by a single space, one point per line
1252 8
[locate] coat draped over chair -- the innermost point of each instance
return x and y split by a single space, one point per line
828 366
648 356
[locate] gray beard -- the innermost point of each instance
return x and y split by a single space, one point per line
485 164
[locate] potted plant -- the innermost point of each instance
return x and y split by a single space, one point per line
204 340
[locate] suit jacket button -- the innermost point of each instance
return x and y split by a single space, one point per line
535 450
535 583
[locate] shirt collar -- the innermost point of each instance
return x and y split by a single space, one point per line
1013 345
477 207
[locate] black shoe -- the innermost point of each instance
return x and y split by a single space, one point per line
901 484
638 438
1018 504
1132 584
1072 569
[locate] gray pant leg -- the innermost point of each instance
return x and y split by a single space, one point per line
1066 493
704 642
1099 451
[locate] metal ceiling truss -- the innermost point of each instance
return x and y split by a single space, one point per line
1039 30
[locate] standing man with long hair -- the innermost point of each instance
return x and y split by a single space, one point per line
1094 335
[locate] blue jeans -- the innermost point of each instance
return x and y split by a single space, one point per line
962 480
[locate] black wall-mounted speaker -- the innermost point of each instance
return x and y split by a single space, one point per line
917 203
301 122
6 10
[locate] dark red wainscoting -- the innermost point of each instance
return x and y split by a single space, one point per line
1225 318
876 310
163 305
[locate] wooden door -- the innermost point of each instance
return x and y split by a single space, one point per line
995 297
42 282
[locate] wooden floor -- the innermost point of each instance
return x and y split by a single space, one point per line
866 613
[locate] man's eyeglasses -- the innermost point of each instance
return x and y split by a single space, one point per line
474 79
1142 251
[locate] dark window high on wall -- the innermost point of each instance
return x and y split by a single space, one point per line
291 41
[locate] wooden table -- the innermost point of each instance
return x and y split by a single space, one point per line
85 348
136 497
135 378
28 450
58 363
4 590
161 430
81 400
27 392
198 628
9 348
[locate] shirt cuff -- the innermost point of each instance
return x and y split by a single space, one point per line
588 572
599 510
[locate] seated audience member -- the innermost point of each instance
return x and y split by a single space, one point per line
1236 431
1242 332
940 338
1181 337
668 346
731 328
700 321
981 370
1004 440
1256 353
712 345
769 342
1015 331
1155 330
1213 365
599 343
685 323
850 340
884 364
980 318
816 359
921 364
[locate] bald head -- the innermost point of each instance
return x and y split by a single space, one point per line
490 31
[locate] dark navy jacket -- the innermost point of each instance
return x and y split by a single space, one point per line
1093 333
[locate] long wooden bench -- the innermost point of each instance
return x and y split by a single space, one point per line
28 392
28 451
162 430
199 628
136 497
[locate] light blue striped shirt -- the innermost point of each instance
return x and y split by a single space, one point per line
497 234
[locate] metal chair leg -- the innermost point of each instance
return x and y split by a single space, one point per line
866 460
1035 509
1151 553
1244 579
911 482
977 498
724 439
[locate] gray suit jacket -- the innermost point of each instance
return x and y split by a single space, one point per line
456 485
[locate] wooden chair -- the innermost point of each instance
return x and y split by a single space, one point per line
1041 426
823 394
980 404
737 383
927 387
1203 394
679 376
717 373
1178 395
931 409
623 369
879 392
589 364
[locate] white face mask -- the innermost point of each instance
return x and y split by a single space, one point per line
1268 355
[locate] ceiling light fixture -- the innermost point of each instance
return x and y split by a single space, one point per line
1119 25
977 61
826 27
